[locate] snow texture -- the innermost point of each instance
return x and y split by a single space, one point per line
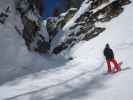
54 78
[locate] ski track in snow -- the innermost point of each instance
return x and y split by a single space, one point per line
93 80
57 77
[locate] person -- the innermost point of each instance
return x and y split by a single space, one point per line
109 55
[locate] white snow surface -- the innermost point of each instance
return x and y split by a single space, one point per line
54 78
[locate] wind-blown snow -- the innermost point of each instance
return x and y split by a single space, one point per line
79 79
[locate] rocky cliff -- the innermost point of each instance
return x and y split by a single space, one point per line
54 34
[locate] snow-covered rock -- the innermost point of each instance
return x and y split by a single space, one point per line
33 25
55 34
82 25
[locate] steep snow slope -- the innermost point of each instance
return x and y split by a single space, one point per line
82 78
15 59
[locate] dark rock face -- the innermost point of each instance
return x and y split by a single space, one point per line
4 15
97 3
86 22
29 11
124 2
54 24
112 10
52 27
29 32
38 5
83 29
60 48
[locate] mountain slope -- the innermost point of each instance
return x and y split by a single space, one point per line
15 59
82 78
82 26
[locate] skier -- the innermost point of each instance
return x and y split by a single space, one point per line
109 55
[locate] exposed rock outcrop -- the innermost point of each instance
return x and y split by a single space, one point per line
4 15
84 27
30 14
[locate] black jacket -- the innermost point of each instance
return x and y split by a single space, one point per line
108 53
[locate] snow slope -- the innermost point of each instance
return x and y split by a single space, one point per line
81 78
15 59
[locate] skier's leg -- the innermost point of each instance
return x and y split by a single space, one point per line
117 66
109 65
